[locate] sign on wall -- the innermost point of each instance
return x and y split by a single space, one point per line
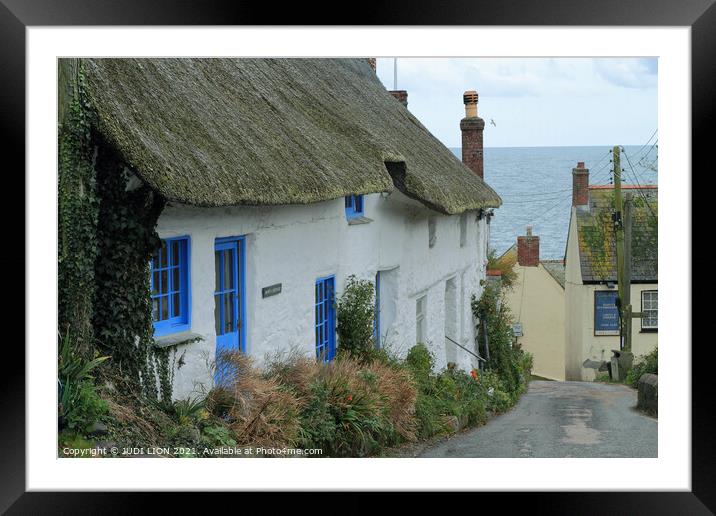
517 329
271 290
606 313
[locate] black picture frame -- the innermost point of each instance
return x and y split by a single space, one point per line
17 15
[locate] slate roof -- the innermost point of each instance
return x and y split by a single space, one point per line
221 132
597 241
555 269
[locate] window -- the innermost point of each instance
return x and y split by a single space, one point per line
354 206
420 319
169 283
649 309
432 236
463 229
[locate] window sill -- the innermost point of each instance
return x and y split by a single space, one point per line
359 220
649 330
175 339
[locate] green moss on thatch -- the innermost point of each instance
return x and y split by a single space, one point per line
220 132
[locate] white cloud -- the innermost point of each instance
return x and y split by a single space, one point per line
628 73
533 101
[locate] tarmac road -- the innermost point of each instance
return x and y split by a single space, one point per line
561 419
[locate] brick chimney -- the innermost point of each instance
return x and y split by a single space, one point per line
401 95
580 185
472 127
371 62
528 249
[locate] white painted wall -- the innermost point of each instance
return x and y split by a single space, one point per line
295 245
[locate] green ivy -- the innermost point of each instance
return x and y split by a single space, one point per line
126 241
78 206
506 358
106 239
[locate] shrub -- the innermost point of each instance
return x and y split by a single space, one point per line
258 410
294 370
497 399
218 435
506 358
355 316
505 265
441 397
348 415
188 411
79 404
649 363
420 362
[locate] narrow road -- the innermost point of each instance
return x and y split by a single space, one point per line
561 419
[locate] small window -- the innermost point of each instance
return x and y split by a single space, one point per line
649 309
432 236
463 229
354 206
169 283
420 320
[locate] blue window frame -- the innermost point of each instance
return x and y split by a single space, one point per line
170 287
354 206
325 319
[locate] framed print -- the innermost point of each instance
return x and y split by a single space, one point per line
248 241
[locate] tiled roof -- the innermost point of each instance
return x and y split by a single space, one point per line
597 241
555 269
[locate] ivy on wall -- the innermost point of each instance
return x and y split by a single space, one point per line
106 239
126 240
78 206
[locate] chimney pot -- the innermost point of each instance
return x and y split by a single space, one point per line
580 185
472 128
469 98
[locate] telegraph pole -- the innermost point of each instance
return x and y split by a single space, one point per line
626 300
619 229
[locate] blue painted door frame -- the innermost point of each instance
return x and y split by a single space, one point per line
376 317
229 294
325 319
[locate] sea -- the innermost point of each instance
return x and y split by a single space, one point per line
535 184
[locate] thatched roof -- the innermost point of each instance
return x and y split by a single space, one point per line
597 242
220 132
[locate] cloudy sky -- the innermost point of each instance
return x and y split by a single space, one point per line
535 101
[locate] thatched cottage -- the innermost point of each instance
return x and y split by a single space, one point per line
279 178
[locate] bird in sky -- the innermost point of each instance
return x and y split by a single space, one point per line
493 122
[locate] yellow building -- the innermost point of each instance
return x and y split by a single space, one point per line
536 300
